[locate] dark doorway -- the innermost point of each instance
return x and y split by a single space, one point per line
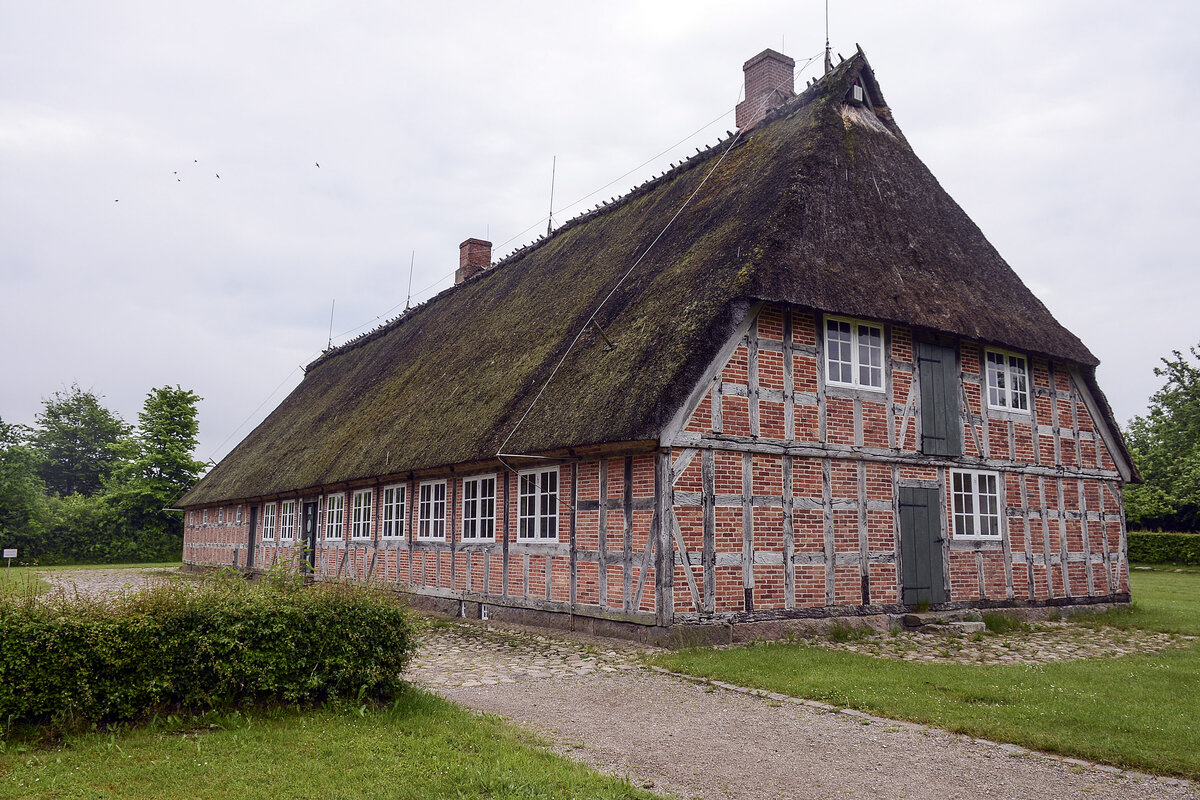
252 542
310 538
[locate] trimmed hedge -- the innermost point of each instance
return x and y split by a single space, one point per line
1164 548
198 646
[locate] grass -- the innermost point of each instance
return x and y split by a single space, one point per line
148 565
21 581
1136 711
420 747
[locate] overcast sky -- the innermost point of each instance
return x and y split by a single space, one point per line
1065 129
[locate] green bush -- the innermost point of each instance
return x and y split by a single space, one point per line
1147 547
197 646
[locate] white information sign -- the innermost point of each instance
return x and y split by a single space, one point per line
9 552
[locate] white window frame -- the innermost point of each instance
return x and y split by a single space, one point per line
537 505
238 517
287 520
1002 394
204 516
856 355
968 515
431 511
268 522
479 508
363 504
335 515
393 511
220 515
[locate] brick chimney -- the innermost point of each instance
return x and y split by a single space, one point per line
474 256
770 82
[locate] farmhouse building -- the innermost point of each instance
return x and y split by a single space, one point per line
787 378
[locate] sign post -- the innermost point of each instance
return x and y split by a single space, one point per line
9 554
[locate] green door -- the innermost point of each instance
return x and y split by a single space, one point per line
921 546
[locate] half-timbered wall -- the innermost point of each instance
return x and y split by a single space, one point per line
785 486
602 562
775 491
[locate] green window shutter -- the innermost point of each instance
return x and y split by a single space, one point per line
941 420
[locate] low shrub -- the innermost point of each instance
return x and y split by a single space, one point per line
1148 547
197 646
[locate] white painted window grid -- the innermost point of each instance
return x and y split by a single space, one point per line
361 523
204 516
335 509
1007 380
479 507
238 518
431 510
975 499
287 519
853 353
537 504
268 521
220 515
393 511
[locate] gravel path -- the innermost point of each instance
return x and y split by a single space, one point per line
596 703
99 582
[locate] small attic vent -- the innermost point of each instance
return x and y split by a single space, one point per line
858 93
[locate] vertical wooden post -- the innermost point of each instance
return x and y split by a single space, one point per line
627 555
748 530
602 543
660 526
789 534
708 502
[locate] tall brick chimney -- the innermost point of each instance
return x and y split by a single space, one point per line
770 82
474 256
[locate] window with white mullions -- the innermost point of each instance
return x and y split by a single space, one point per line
976 499
268 525
335 509
853 353
360 525
287 519
1007 380
431 510
479 507
537 505
395 506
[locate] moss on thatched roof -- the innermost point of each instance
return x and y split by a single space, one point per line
822 205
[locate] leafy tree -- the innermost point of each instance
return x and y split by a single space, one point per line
79 440
161 468
1165 445
22 492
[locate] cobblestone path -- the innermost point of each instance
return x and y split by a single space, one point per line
100 582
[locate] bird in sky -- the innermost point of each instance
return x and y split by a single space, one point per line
218 176
318 164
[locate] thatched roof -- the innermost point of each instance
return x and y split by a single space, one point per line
822 205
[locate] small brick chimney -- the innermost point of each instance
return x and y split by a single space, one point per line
474 256
770 82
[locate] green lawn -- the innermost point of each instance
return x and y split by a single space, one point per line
21 581
1141 712
422 747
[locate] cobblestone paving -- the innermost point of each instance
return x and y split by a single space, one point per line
99 582
1043 644
472 654
463 654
